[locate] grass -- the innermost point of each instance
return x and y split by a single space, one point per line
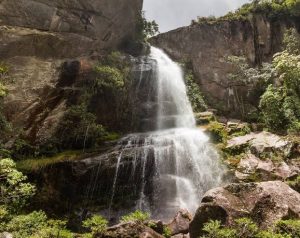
37 164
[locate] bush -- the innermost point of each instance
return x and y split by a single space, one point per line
291 227
194 93
78 129
138 216
167 233
218 132
15 191
96 224
26 225
213 229
108 77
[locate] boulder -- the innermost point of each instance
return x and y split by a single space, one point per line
262 144
130 229
252 168
204 117
265 203
180 223
181 236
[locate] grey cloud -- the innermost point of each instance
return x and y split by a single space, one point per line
171 14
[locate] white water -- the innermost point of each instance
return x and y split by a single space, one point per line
186 165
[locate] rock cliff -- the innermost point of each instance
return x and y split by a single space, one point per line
206 45
45 42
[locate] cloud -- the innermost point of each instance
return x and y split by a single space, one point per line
171 14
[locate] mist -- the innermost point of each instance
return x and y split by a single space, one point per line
171 14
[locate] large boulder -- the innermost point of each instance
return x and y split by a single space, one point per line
265 203
180 223
252 168
261 144
130 229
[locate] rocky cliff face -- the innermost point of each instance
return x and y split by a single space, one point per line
66 28
206 46
48 45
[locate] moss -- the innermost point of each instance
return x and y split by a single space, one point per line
37 164
295 183
217 132
291 227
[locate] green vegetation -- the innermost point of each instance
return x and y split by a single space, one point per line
295 183
136 216
146 29
37 164
218 132
273 9
246 228
96 224
108 77
280 104
167 233
194 92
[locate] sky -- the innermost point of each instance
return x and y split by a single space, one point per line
171 14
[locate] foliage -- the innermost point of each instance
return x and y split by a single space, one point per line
218 132
291 41
136 216
214 229
291 227
280 105
273 9
194 93
108 77
37 164
295 183
15 191
97 224
146 29
167 233
246 228
79 129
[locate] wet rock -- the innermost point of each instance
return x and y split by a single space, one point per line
180 223
130 229
264 202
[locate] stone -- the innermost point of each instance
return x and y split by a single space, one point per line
6 235
265 203
130 229
262 144
206 45
180 223
203 118
77 25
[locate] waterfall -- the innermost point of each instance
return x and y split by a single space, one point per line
185 165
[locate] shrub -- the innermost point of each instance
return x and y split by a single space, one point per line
194 93
108 77
291 227
146 29
213 229
96 224
138 216
15 191
167 233
79 129
218 132
26 225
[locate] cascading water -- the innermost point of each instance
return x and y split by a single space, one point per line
184 164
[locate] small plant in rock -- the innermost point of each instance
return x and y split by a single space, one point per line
96 224
218 132
167 233
214 229
137 216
